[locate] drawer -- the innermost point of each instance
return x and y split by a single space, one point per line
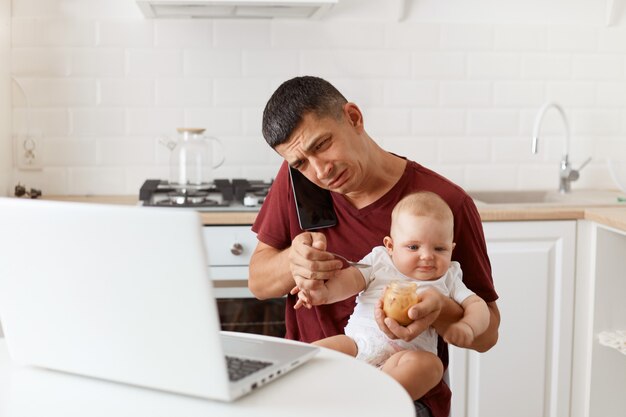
229 245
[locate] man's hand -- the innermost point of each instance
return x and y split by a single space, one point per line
423 314
310 263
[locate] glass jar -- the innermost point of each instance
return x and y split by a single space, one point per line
398 298
193 159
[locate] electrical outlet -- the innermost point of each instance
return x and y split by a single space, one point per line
29 151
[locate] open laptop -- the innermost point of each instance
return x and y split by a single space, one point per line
123 293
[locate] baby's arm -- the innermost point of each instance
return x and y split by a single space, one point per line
347 282
474 322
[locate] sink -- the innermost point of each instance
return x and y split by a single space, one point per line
544 198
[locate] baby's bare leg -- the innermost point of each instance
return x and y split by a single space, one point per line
340 343
416 371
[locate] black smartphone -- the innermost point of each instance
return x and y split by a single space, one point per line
313 204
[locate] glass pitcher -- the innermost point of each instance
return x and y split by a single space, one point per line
193 159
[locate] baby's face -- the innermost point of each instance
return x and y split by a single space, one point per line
420 246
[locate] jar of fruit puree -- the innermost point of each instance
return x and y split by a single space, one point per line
399 297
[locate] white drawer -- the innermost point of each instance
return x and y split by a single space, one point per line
229 245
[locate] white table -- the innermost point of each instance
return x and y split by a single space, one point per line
331 384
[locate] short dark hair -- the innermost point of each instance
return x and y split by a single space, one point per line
293 100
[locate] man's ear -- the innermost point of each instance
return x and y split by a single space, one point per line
388 242
354 115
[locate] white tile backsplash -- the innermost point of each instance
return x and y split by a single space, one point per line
439 65
466 93
126 33
100 62
601 68
531 38
490 66
492 122
184 92
413 37
126 92
183 33
270 63
546 66
411 93
437 121
146 62
53 32
103 84
98 122
52 121
576 39
41 62
473 37
57 92
518 94
212 62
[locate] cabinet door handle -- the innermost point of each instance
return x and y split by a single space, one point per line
236 249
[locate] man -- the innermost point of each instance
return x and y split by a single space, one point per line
322 135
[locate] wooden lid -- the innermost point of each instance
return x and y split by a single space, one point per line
195 130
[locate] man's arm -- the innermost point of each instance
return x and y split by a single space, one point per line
269 274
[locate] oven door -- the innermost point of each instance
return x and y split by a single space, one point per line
229 249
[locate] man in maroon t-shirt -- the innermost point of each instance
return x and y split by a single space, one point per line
319 133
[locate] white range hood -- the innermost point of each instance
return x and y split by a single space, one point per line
206 9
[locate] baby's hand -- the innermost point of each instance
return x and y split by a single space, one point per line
459 334
303 298
309 298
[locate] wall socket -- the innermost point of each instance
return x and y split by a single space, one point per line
28 147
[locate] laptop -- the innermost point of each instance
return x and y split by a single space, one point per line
123 293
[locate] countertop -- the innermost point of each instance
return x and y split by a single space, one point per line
612 216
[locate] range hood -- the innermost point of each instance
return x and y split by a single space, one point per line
206 9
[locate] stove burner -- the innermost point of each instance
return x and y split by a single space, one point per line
222 194
185 197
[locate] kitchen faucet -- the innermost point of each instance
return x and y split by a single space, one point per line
566 173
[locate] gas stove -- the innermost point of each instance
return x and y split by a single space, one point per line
220 195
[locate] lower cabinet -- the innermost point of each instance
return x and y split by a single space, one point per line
528 372
599 372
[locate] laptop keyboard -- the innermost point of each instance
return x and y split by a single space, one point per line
239 368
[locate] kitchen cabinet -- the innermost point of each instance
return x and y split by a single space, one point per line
599 372
229 249
528 372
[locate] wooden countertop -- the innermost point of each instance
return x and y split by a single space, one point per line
612 216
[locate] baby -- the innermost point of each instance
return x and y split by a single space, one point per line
419 249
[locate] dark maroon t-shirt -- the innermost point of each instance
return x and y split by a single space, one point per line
357 232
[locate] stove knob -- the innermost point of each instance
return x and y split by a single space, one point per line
250 201
236 249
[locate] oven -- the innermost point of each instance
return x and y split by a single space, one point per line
229 248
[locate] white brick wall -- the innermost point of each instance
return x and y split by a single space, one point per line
103 84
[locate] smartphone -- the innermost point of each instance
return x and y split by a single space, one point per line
314 204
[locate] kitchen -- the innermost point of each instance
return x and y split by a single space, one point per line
453 86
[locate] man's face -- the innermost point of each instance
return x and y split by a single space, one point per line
327 151
420 246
